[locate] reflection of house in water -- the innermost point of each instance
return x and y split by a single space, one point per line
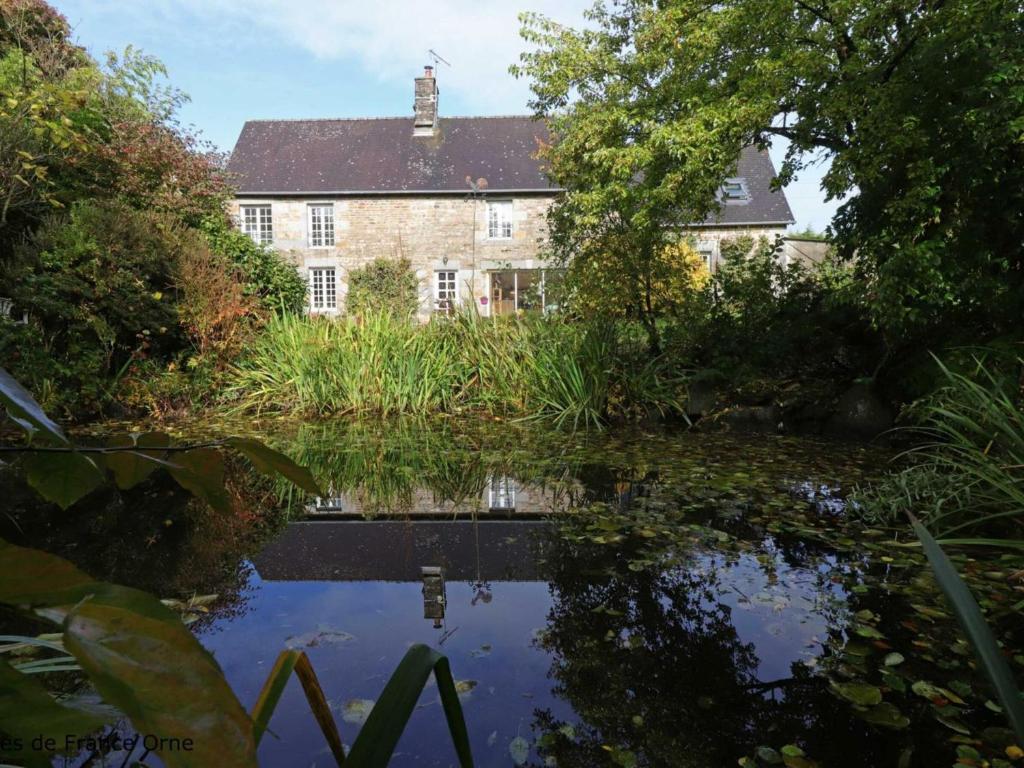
500 495
398 550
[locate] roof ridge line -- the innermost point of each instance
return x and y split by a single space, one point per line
384 117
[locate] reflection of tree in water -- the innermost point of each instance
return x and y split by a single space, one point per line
155 536
648 660
652 664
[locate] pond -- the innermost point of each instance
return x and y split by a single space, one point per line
636 597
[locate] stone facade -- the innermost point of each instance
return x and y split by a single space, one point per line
437 233
434 232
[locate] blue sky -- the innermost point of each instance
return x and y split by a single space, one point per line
243 59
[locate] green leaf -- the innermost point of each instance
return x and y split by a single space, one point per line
201 472
137 654
893 659
379 736
28 711
270 462
132 467
886 715
975 627
297 662
519 750
157 673
62 477
863 694
25 410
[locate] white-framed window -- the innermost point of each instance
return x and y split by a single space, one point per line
323 289
446 290
258 223
321 225
706 250
501 493
499 220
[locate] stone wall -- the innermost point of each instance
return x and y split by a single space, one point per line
442 232
433 232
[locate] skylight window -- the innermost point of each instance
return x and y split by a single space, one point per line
735 190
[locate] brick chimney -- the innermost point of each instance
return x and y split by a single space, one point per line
425 107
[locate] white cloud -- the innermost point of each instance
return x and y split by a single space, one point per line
388 38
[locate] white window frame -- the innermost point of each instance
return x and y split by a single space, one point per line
501 493
706 250
323 289
320 225
499 220
446 289
257 221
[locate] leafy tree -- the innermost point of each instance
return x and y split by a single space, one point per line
606 285
917 104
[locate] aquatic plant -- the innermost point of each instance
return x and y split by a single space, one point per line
977 630
574 373
964 477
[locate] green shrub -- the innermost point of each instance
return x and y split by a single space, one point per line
267 275
100 287
383 285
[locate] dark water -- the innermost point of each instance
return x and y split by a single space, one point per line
625 598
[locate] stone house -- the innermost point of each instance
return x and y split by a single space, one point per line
464 199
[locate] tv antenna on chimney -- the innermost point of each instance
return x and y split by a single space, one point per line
437 58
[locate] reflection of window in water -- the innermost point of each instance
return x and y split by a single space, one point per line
329 503
501 493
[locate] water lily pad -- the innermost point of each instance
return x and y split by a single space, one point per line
318 637
356 711
863 694
885 715
893 659
519 749
769 755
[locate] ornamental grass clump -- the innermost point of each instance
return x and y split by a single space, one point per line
964 478
384 364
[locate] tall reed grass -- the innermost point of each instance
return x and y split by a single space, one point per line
576 374
965 476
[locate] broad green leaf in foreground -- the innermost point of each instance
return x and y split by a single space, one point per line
270 462
28 711
62 478
138 655
201 471
132 467
976 628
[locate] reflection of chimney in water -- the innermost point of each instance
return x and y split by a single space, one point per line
434 599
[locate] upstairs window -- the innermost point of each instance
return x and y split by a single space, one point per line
499 220
323 289
735 190
258 223
446 290
321 226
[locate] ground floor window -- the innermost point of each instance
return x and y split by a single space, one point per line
446 290
323 289
501 494
525 290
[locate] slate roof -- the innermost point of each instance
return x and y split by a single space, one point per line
379 156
